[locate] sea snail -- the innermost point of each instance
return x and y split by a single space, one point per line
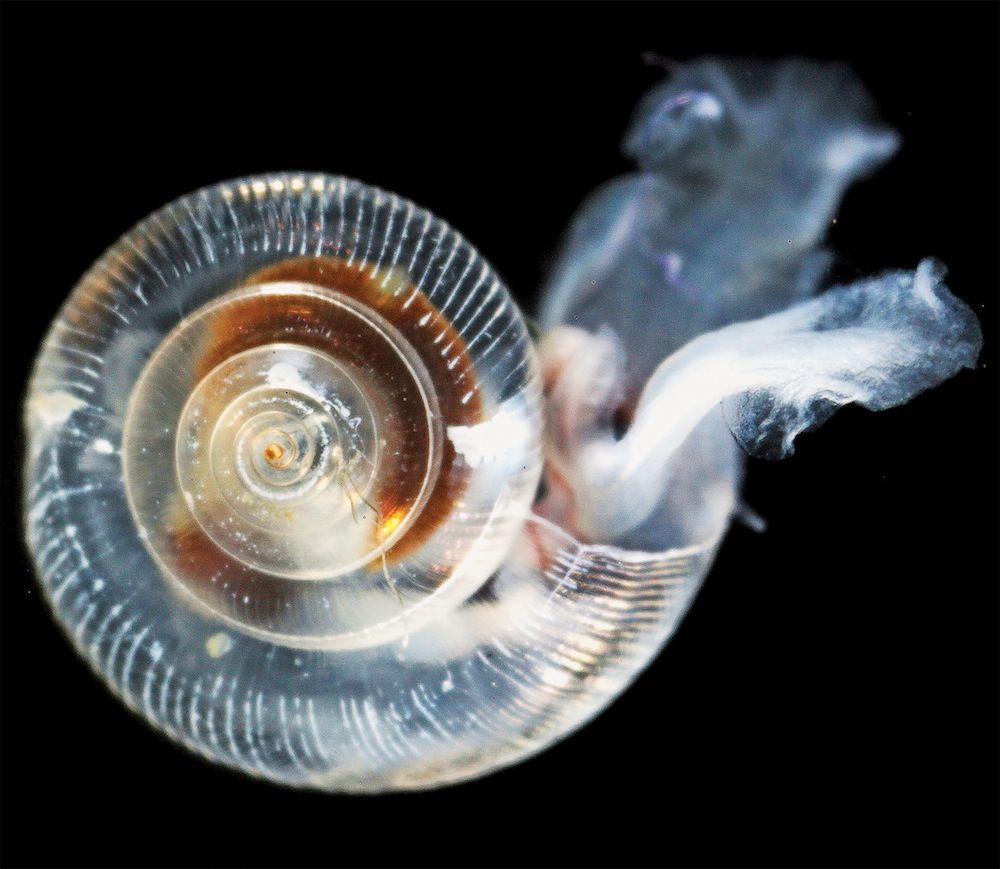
306 492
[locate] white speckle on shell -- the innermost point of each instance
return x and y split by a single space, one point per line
218 644
52 409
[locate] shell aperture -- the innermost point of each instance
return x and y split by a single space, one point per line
313 424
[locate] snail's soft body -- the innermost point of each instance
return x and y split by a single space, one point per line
307 495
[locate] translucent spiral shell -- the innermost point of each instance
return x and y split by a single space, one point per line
284 440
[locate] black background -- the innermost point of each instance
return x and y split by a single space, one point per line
831 699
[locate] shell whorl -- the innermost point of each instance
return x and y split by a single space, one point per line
284 438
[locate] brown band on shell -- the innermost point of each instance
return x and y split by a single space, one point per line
271 319
453 376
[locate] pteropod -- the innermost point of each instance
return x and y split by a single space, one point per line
306 491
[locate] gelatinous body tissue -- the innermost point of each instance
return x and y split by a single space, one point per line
303 490
704 265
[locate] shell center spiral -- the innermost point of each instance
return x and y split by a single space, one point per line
292 456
